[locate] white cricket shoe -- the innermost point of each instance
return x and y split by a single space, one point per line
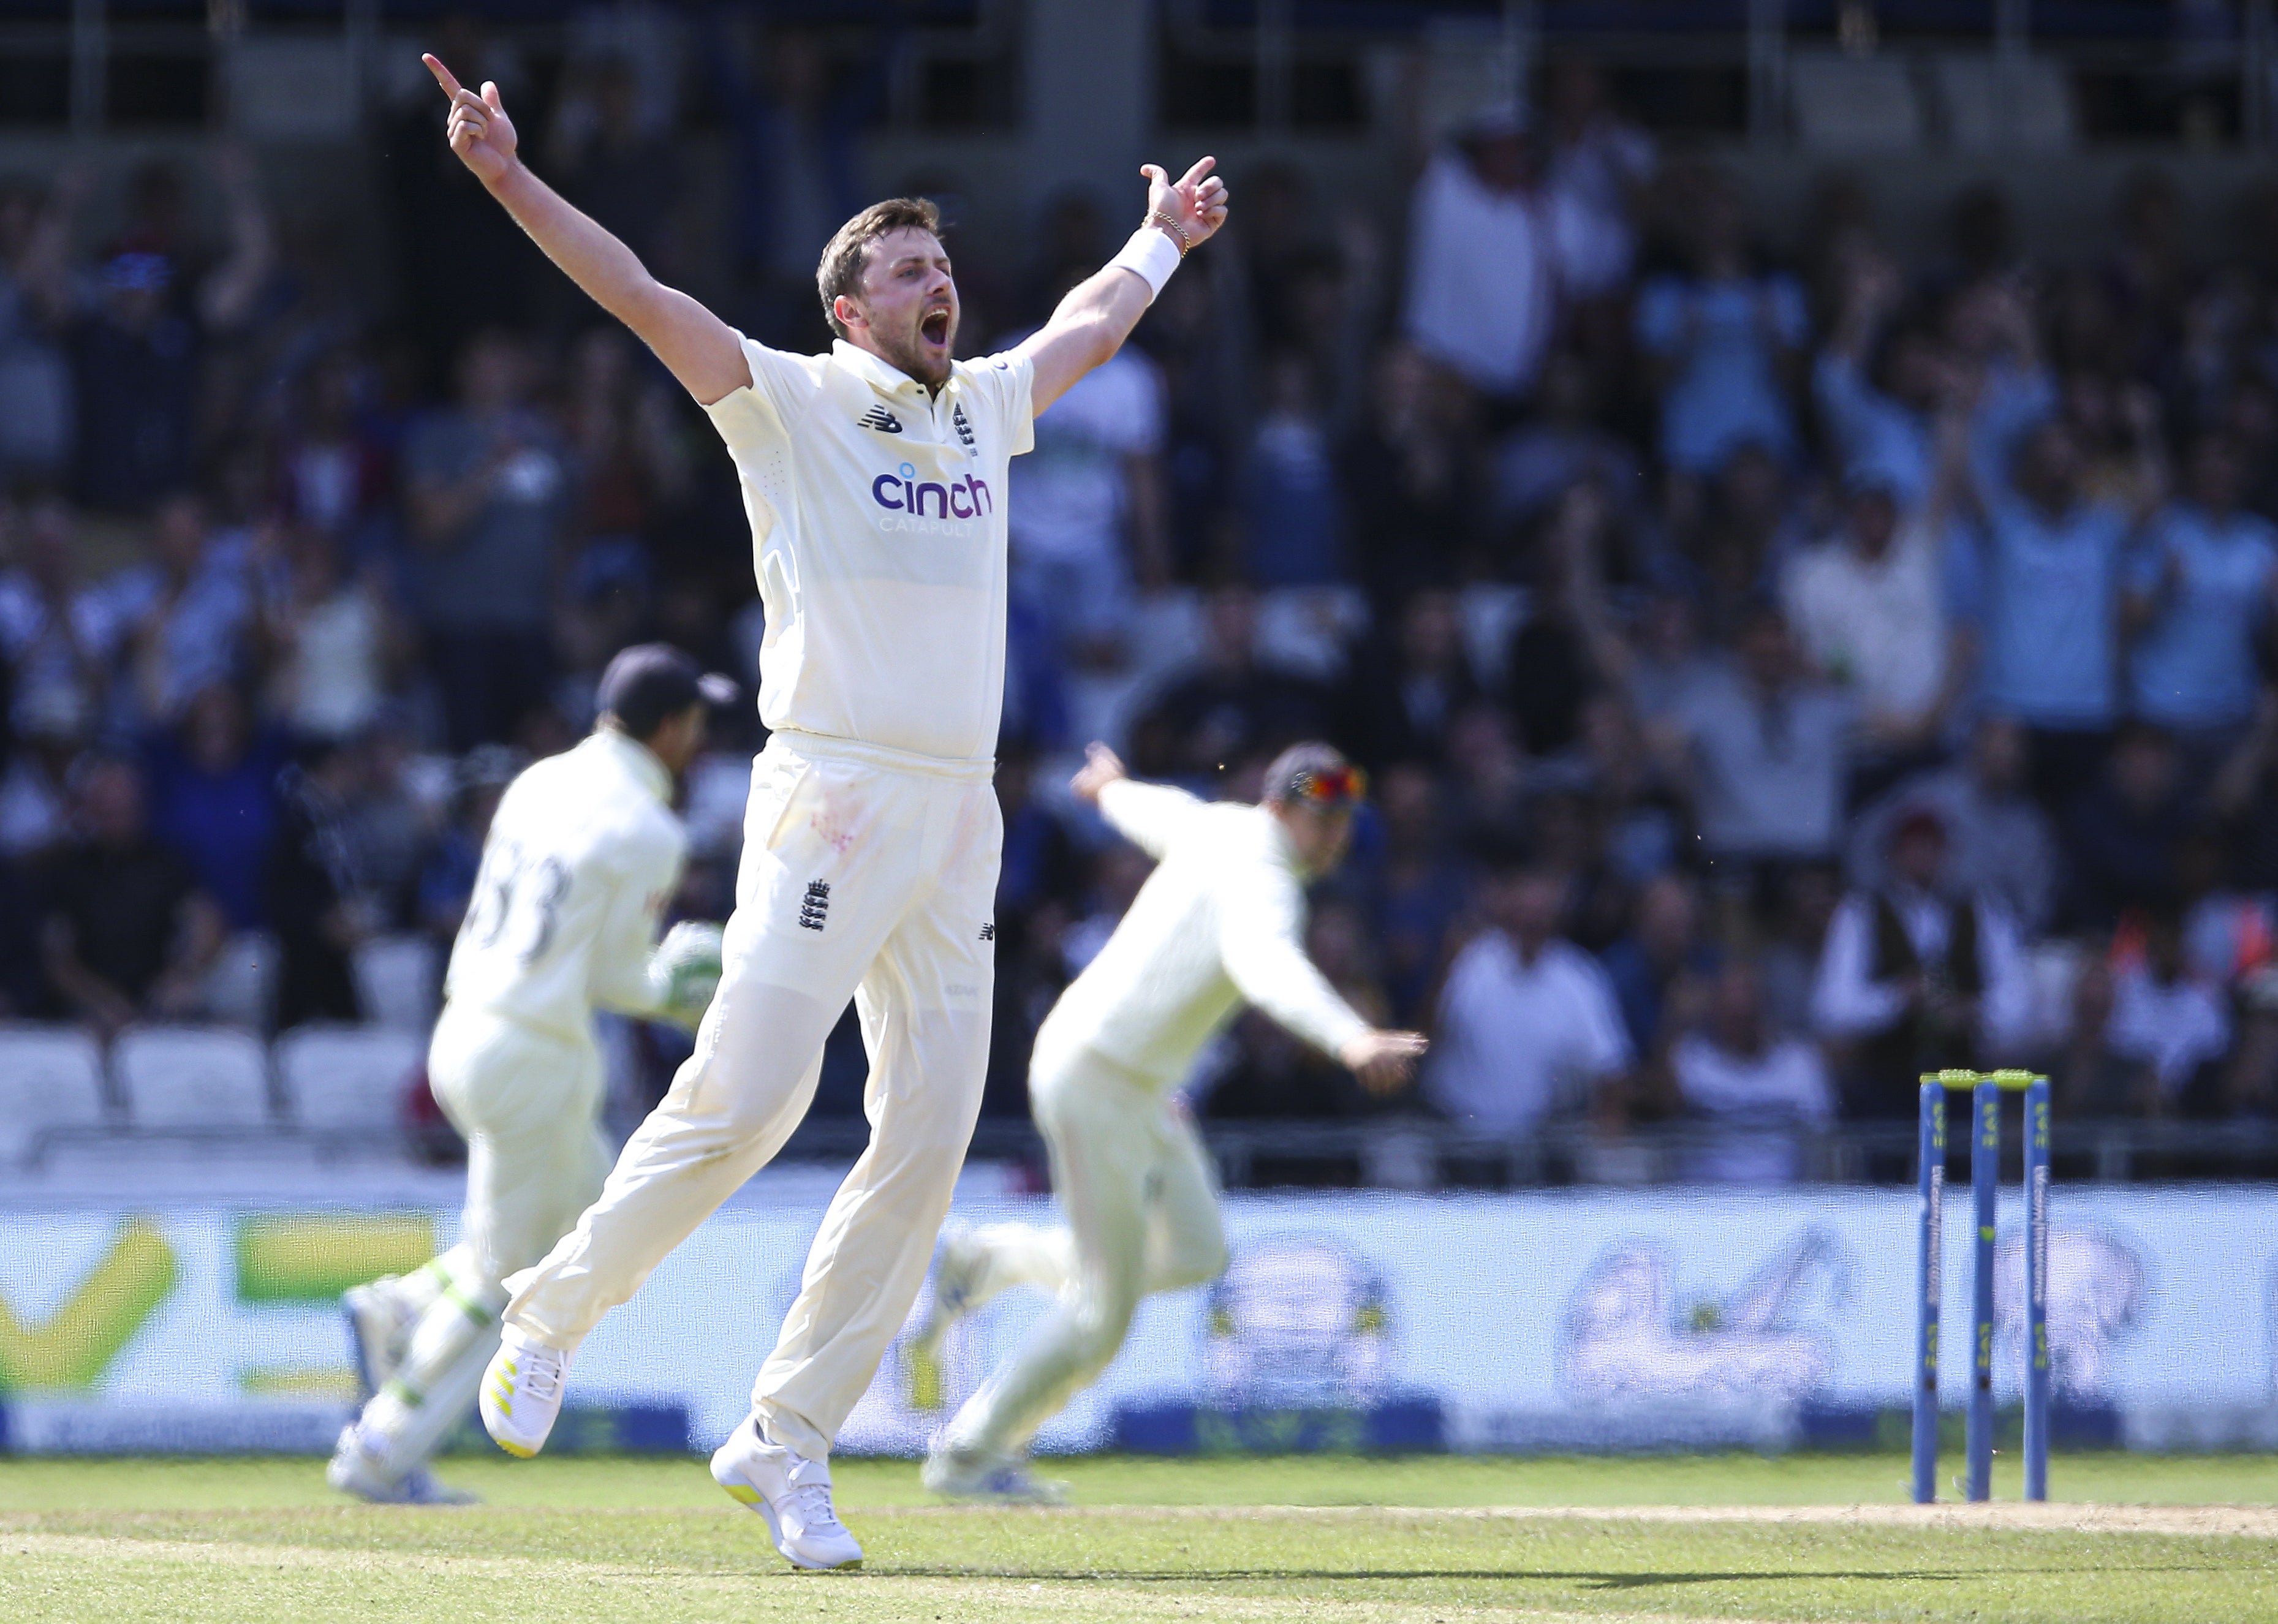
379 1327
522 1392
957 1272
983 1475
792 1492
358 1469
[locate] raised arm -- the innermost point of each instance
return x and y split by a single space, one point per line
1099 312
697 347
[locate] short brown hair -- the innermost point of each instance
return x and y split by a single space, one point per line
841 270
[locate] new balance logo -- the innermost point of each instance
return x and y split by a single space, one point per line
989 931
815 909
964 428
879 418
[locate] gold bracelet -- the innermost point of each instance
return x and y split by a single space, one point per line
1156 217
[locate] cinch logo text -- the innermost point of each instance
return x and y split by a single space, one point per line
964 499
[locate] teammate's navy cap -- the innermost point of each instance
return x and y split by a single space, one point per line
651 682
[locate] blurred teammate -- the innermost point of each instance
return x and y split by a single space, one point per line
583 852
1220 922
874 480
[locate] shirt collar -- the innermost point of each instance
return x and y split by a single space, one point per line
878 374
637 759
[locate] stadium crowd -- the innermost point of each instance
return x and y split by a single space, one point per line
1778 675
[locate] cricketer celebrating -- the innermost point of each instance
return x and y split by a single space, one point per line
874 478
582 855
1219 923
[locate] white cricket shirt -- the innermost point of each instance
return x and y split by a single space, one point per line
1220 922
580 862
877 514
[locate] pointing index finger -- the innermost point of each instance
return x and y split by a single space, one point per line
442 74
1194 176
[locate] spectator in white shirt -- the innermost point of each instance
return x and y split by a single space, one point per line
1598 164
1869 606
1528 1026
1482 276
1757 1093
1914 980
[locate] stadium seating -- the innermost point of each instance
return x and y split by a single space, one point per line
51 1077
346 1078
1845 104
396 982
197 1078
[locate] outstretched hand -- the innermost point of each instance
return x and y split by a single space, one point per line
1384 1061
478 129
1102 767
1197 200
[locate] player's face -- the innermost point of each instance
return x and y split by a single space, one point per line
909 304
1320 835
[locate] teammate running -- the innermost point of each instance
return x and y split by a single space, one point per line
1219 923
874 480
583 853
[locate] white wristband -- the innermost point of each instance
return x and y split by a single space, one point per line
1151 256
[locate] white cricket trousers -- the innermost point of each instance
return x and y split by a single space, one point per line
528 1105
1135 1184
867 873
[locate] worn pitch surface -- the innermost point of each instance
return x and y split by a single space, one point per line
1422 1539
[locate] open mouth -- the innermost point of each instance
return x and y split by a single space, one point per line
933 327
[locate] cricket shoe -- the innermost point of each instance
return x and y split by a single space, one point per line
522 1392
984 1475
379 1329
957 1272
358 1469
792 1492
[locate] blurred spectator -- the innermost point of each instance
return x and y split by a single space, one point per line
623 171
36 386
136 338
1763 753
333 473
1878 382
1402 694
1230 704
1567 649
1087 515
1564 445
1291 508
186 613
332 641
2003 844
1598 163
486 488
1721 341
1482 269
1757 1094
57 636
2051 568
1664 949
1869 608
127 935
317 901
213 800
2167 1026
1528 1027
1409 476
1421 889
2199 594
1916 979
2121 834
794 120
622 428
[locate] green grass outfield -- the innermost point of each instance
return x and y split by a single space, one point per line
563 1542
